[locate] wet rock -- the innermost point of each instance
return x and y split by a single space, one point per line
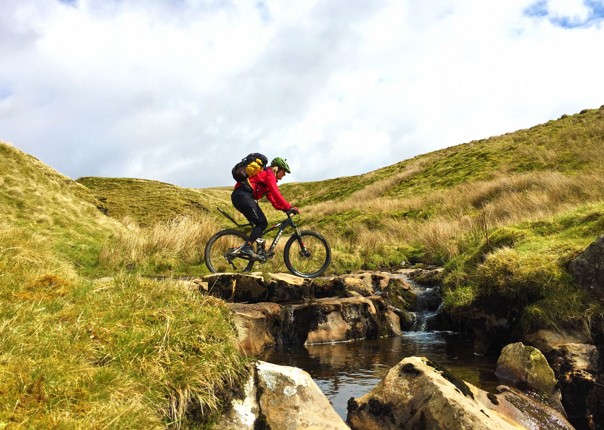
547 341
362 286
260 325
429 278
527 368
333 320
588 268
255 288
256 325
418 394
290 399
281 397
577 365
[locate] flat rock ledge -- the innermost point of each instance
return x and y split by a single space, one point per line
284 310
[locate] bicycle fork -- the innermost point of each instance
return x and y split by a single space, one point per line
303 251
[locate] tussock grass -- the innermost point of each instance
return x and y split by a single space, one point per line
121 352
174 246
525 264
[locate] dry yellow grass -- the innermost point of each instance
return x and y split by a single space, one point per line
453 217
165 244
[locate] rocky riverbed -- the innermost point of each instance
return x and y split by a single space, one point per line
279 310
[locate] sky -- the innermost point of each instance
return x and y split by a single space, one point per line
180 90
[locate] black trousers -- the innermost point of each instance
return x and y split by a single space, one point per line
244 202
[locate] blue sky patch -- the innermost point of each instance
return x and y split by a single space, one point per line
541 10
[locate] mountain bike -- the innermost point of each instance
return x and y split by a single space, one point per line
306 253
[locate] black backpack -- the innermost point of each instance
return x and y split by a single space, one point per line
251 165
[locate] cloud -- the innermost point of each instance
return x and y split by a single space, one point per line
569 13
179 91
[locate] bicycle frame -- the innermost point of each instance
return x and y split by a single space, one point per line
281 226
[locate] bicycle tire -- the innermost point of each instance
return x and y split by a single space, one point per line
312 263
217 249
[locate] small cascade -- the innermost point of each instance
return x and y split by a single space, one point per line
427 303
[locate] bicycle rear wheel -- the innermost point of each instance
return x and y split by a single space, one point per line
307 255
220 255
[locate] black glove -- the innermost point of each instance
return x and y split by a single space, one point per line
292 211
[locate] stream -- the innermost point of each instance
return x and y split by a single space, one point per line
352 369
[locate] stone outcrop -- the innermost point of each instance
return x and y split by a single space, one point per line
577 365
286 288
281 397
324 320
588 268
281 309
416 393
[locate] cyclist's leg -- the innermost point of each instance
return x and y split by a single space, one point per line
260 223
244 202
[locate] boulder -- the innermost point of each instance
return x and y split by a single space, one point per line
281 397
333 320
244 411
588 268
526 367
417 393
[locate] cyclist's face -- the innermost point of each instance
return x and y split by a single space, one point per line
280 174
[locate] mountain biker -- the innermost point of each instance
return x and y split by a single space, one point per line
246 194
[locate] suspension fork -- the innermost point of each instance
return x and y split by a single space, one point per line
303 251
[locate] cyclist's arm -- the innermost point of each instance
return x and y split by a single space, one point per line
274 195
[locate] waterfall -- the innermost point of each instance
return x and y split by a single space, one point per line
428 304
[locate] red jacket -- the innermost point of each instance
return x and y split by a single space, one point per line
265 184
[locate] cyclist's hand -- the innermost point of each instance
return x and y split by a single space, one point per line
292 211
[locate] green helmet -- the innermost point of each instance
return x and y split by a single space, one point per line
280 163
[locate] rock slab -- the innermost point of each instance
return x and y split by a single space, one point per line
418 394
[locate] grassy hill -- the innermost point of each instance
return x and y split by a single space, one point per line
149 202
80 349
38 199
503 215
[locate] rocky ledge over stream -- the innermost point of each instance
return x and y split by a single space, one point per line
283 310
280 310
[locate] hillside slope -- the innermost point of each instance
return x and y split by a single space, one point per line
148 202
88 344
37 198
571 144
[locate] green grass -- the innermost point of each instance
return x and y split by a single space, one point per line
120 352
85 343
526 264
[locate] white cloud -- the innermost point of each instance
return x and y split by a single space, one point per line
180 91
574 10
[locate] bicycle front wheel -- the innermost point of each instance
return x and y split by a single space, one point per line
307 255
220 253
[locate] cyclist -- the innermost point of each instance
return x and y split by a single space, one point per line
246 194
